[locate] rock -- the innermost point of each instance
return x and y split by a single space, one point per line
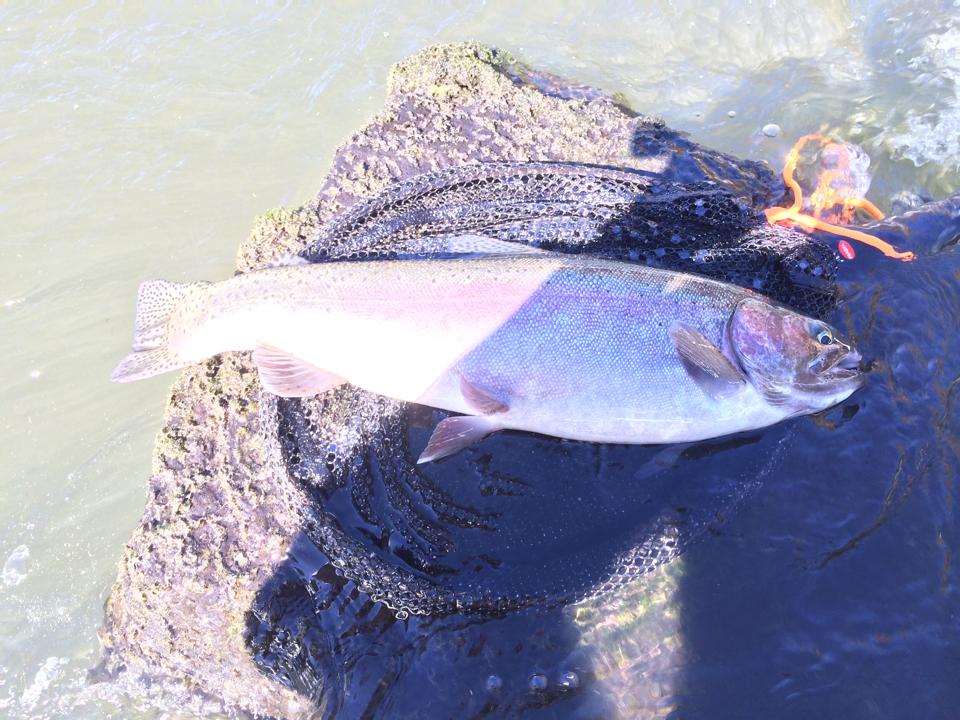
907 200
771 130
219 517
221 511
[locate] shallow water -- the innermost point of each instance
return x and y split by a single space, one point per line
138 143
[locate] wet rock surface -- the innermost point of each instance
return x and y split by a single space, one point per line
292 562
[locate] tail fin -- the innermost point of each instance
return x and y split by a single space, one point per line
151 356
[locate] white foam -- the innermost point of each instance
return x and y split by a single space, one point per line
934 135
15 568
46 675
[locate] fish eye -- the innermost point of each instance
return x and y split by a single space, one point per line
822 334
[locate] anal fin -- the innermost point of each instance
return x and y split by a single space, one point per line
453 434
288 376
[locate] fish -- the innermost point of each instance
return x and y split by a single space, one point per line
510 337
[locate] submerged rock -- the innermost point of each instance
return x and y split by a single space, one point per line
274 527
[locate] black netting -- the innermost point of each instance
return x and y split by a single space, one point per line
617 213
523 519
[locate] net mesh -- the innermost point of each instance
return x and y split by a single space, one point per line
487 531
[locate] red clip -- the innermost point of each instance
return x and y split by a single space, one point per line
846 250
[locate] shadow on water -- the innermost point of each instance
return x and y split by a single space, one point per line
525 525
834 592
832 587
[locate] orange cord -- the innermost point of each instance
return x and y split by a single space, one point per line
793 214
865 204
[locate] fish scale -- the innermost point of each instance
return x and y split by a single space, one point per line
589 356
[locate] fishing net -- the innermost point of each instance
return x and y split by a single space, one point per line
521 519
616 213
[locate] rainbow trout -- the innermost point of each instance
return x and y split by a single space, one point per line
565 345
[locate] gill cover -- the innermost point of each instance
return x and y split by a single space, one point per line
794 362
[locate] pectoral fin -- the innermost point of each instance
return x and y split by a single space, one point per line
453 434
288 376
705 363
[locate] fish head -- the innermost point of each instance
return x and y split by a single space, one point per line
794 361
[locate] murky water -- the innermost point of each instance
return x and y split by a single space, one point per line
141 142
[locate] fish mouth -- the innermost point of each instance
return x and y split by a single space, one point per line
847 366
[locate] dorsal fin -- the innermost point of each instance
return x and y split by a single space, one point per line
484 245
467 245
